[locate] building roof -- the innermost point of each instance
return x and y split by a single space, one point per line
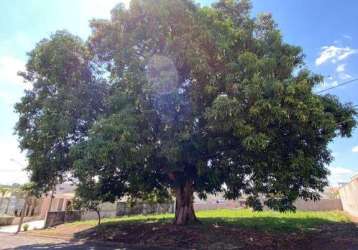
65 187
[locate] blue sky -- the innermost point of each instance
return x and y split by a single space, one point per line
325 29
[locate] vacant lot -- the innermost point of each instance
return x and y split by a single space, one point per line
222 229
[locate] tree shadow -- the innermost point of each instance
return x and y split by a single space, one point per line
161 233
261 223
213 230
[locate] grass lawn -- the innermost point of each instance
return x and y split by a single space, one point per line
266 220
222 229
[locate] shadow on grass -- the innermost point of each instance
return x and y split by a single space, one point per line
244 231
137 227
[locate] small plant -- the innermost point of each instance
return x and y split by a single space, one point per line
25 227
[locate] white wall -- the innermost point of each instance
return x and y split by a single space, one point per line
349 197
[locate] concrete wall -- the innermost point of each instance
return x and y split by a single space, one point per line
124 208
107 210
218 201
219 204
349 197
55 218
60 217
320 205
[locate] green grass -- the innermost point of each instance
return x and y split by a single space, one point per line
273 221
266 220
129 219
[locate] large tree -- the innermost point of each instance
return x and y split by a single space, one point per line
207 100
65 99
201 99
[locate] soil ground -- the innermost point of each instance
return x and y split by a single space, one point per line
168 236
215 233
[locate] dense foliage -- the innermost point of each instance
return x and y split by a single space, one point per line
200 99
66 98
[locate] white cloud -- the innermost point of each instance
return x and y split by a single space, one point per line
339 174
347 37
9 67
341 68
341 72
327 84
331 84
344 76
355 149
334 54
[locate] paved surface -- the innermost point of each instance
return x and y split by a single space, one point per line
26 242
12 241
38 224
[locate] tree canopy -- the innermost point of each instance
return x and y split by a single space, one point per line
197 99
66 97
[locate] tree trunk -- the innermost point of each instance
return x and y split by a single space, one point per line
99 217
49 207
184 209
22 216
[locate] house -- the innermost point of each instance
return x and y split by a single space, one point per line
61 200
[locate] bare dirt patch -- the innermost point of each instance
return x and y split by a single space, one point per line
335 236
66 231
